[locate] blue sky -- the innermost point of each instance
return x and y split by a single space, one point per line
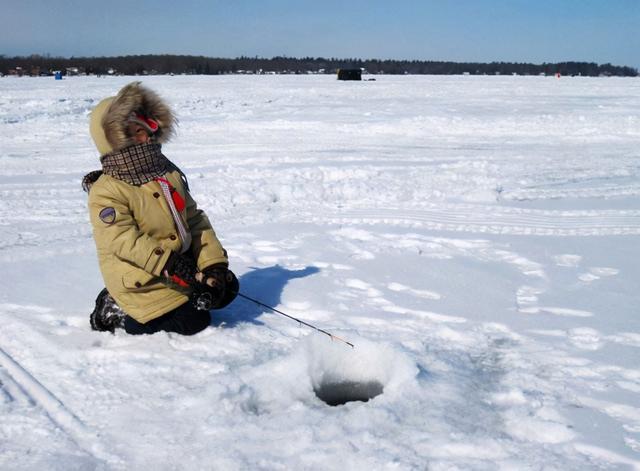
459 30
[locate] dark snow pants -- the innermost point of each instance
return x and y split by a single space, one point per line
185 320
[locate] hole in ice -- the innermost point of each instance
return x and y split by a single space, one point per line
340 374
338 393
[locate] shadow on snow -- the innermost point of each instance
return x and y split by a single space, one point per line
264 285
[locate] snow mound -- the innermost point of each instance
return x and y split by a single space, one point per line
340 374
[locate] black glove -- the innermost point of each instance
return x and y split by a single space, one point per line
218 287
219 276
180 269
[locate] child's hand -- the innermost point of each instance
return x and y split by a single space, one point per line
221 283
180 269
217 276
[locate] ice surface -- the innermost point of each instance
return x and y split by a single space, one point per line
476 238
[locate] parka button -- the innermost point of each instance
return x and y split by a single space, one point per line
172 237
158 251
138 284
156 195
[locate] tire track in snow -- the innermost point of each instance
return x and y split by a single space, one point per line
43 216
12 390
608 191
21 200
20 239
489 220
26 388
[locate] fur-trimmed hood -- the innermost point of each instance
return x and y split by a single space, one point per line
109 120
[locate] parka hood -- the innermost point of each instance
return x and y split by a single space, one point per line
110 118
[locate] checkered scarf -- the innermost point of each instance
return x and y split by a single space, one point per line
137 164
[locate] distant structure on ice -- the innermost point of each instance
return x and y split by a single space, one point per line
349 74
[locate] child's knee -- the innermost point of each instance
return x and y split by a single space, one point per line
196 322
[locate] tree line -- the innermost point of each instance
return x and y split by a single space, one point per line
200 65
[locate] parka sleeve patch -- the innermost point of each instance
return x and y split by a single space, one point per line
107 215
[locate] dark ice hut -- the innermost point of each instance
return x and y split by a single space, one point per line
349 74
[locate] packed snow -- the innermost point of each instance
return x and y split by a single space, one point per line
475 238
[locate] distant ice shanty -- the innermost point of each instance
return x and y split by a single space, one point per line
349 74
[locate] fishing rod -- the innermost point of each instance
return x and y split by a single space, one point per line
206 303
333 337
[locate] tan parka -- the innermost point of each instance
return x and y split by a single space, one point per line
133 228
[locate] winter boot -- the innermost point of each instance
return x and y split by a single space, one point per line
107 315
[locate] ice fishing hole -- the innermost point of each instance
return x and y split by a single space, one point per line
339 375
336 393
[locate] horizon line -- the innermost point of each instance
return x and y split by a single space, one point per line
337 59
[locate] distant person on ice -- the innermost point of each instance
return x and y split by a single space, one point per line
162 264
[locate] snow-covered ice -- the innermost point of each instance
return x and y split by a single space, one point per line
476 238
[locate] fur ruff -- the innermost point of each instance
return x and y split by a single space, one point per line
135 98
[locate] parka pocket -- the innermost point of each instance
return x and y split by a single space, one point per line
136 278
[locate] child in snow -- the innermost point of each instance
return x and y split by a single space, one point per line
160 259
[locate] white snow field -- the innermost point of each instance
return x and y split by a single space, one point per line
476 238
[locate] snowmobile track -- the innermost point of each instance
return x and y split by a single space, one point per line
481 219
23 387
